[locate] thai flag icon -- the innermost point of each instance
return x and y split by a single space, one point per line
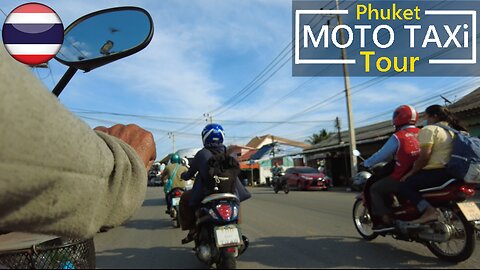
33 33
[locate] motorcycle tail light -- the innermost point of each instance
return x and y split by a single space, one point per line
231 250
178 193
468 191
225 211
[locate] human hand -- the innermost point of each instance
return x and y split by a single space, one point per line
137 137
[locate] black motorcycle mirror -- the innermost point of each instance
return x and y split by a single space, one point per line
102 37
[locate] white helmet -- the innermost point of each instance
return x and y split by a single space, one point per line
185 162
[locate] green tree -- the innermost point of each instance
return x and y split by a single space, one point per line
318 137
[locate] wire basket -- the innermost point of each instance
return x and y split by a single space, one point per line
59 253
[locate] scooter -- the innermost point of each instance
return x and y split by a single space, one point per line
176 195
450 238
218 239
280 183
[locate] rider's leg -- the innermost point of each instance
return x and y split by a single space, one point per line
187 214
168 198
410 189
379 193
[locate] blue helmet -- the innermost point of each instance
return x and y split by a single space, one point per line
212 133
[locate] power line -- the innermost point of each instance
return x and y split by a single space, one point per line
157 130
269 67
310 80
421 102
247 90
366 85
178 120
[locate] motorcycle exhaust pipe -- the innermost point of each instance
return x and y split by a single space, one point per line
434 237
439 233
204 253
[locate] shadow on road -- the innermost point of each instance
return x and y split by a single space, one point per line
332 251
154 202
148 224
157 257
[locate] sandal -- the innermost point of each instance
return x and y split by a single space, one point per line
190 237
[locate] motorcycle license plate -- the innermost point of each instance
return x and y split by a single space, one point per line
175 201
227 236
470 210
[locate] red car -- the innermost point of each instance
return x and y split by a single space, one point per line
306 178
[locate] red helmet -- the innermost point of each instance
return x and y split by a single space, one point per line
404 115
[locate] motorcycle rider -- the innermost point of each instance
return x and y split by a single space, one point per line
171 177
60 177
212 136
276 172
429 170
404 148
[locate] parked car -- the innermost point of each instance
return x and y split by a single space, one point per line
307 178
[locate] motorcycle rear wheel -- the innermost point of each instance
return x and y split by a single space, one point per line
362 221
175 218
464 233
227 261
286 189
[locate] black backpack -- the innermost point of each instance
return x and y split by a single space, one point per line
223 171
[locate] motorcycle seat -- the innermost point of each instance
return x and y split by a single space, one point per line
219 196
439 187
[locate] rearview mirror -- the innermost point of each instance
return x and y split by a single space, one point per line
102 37
105 36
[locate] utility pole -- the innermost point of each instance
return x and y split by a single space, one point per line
171 135
351 128
338 127
208 118
273 146
251 169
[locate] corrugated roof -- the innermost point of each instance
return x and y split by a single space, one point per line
468 102
370 132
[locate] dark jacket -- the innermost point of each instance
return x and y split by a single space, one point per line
200 165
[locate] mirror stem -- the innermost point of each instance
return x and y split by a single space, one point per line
64 81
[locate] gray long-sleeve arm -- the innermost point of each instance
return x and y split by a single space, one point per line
57 175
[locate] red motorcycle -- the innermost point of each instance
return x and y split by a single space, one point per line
451 237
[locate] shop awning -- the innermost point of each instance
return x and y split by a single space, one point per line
246 166
262 152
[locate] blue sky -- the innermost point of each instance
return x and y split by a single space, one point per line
202 53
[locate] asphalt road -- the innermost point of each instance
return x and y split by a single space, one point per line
298 230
